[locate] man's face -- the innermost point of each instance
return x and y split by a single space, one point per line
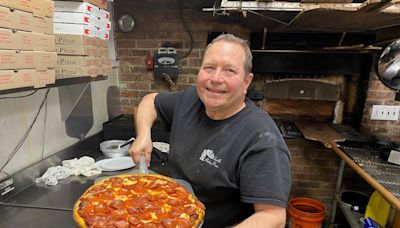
221 81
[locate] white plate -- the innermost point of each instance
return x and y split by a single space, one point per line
115 164
161 146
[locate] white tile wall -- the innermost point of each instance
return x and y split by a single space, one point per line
17 114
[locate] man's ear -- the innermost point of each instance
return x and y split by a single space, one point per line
247 80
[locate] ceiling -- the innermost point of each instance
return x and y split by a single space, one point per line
377 16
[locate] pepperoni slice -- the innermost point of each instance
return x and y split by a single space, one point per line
174 202
121 224
182 223
119 215
117 204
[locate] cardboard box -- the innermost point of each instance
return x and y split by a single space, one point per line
44 77
103 43
23 40
43 42
104 24
71 71
50 9
26 78
75 18
106 61
76 40
7 59
103 34
104 14
43 8
78 61
8 3
106 70
63 49
7 40
103 52
8 79
43 25
44 60
15 19
75 29
39 8
24 60
77 7
102 4
24 5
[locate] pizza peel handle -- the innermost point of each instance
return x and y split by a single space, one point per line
142 165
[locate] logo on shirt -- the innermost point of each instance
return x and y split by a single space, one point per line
209 157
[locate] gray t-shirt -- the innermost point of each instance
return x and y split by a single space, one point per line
231 163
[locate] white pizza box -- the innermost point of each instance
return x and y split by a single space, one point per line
104 24
77 7
75 18
104 14
75 29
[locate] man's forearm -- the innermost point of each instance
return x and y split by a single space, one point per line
265 216
145 116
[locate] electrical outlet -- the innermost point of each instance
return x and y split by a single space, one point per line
385 112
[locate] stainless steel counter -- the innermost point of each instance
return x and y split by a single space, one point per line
39 205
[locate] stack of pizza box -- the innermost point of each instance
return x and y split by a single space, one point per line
81 35
27 47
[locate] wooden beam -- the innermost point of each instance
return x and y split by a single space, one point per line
395 8
375 5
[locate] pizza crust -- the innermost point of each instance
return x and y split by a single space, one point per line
81 222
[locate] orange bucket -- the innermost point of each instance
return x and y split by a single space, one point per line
306 213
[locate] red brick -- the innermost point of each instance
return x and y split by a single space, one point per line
147 44
129 77
138 85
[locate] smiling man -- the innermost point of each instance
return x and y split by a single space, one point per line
227 148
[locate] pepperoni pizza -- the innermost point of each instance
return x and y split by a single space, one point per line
138 200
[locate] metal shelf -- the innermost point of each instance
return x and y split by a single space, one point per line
58 83
352 217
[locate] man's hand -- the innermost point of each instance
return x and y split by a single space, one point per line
144 118
141 146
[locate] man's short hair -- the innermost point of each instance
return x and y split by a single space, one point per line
248 63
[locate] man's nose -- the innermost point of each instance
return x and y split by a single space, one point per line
217 77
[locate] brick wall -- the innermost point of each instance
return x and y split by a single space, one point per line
158 24
379 94
314 171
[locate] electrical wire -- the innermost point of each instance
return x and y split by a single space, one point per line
186 29
27 95
44 128
25 136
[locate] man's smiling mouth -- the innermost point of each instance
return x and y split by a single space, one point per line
215 90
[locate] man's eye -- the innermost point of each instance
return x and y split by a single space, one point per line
208 68
230 71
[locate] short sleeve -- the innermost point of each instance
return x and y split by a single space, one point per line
265 171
